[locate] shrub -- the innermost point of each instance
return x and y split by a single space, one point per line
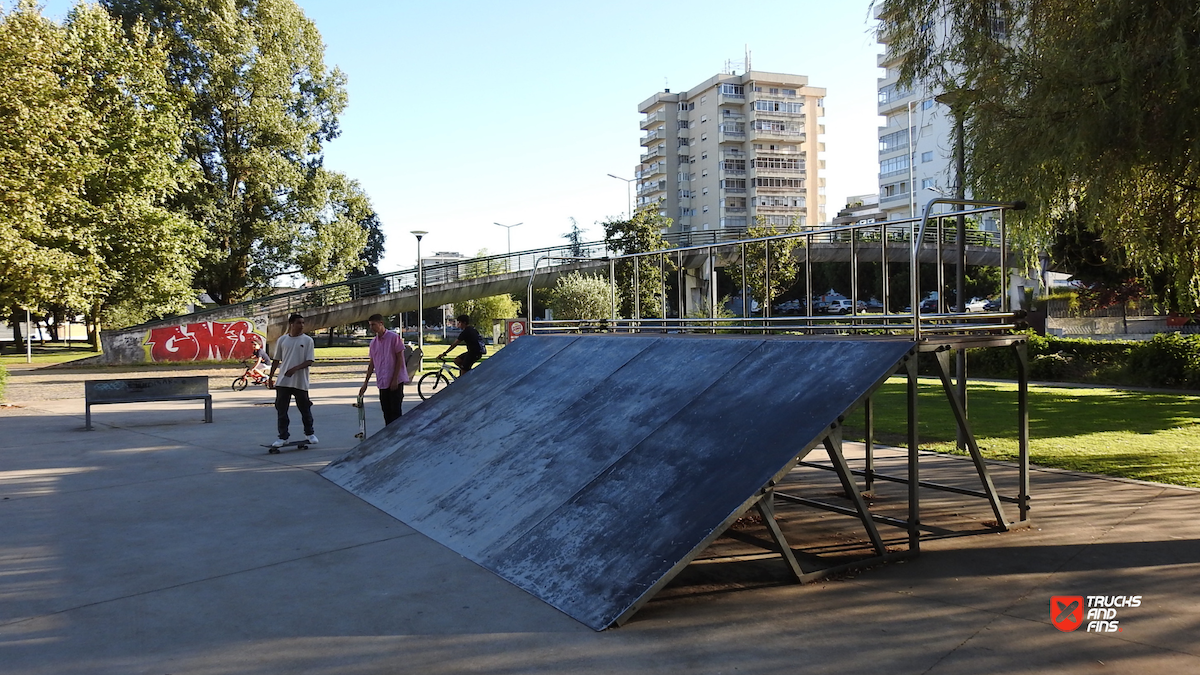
1169 359
579 297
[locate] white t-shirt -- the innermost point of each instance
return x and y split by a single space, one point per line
292 351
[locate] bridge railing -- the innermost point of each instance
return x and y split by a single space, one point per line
393 282
903 244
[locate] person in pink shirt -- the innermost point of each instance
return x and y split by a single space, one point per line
387 364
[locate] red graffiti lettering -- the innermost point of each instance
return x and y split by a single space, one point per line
207 341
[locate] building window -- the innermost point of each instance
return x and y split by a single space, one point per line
733 90
926 183
703 119
894 165
927 104
704 173
704 155
705 209
797 183
789 92
703 99
926 157
893 141
704 191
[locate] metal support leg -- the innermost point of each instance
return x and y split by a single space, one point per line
914 465
1022 351
833 446
869 441
766 509
943 360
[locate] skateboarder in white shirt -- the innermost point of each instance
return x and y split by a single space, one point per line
294 353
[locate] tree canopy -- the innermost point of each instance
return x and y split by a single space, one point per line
640 234
89 156
1087 109
261 104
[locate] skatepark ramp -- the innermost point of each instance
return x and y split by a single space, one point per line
589 470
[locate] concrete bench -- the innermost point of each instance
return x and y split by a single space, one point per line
146 389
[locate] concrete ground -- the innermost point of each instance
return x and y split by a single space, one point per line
158 544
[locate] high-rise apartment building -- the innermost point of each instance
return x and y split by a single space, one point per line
916 146
732 149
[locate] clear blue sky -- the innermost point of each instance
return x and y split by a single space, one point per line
464 114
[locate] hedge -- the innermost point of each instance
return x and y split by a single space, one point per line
1168 360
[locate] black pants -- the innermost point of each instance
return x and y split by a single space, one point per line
391 401
283 396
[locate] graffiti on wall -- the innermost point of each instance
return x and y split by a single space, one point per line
206 341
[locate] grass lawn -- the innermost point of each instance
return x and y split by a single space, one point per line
1154 437
48 354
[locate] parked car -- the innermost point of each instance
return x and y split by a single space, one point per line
992 305
977 305
789 307
843 306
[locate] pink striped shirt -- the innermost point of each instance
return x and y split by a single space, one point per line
387 354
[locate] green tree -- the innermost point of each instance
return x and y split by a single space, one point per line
43 164
783 264
640 234
1088 109
146 253
262 104
579 297
575 240
90 155
483 311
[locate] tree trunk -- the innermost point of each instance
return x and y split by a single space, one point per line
18 343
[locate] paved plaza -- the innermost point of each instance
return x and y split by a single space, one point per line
158 544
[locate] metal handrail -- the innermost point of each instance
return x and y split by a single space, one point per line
911 231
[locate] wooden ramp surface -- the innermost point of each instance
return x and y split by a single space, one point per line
588 470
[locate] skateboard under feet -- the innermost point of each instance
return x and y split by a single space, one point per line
299 445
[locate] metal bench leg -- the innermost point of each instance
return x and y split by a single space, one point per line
87 417
208 409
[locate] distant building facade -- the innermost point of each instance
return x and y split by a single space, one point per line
732 149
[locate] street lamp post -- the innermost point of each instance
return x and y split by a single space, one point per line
628 191
420 292
509 229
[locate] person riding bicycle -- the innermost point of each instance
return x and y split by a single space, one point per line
470 338
261 358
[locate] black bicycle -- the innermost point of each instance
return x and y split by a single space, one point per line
436 380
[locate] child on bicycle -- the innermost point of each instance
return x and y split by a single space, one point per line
261 359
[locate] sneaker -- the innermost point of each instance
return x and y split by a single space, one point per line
279 443
312 439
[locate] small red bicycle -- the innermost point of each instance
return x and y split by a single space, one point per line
251 376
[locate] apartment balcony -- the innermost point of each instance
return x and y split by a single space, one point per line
731 136
657 151
756 171
778 208
898 197
731 99
731 173
734 191
779 152
735 210
653 136
654 119
654 170
788 136
647 189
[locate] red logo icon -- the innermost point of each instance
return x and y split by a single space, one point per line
1066 612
